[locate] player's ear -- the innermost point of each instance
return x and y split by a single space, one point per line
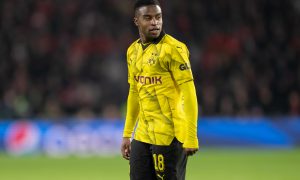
135 21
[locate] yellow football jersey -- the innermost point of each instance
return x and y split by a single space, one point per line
156 70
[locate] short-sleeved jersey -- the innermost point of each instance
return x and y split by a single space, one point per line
156 71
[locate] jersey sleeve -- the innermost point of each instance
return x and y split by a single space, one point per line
132 100
132 112
180 64
191 114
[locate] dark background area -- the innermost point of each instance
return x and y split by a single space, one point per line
66 58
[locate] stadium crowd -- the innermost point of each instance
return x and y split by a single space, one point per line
67 58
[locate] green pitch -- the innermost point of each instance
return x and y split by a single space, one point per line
208 164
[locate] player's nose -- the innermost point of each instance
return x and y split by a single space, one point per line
154 22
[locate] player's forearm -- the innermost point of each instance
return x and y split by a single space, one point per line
191 114
132 112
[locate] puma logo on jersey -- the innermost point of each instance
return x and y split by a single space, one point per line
148 79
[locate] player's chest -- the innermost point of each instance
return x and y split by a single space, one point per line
146 61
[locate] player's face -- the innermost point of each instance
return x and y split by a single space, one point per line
148 19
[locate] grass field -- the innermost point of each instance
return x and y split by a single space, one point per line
208 164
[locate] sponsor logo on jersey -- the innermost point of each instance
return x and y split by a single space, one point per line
148 79
183 67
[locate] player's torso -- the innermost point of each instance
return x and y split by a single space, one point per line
158 93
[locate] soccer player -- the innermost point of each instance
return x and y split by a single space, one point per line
162 105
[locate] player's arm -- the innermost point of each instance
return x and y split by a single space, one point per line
181 70
132 112
191 116
132 100
130 121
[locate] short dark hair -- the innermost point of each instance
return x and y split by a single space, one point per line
140 3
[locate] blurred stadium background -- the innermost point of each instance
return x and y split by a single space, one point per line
64 86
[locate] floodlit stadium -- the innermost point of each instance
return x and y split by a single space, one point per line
64 87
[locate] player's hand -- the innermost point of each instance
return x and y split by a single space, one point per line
190 151
125 148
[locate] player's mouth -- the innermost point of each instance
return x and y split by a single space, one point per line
154 31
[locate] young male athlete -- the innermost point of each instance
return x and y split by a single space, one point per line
162 105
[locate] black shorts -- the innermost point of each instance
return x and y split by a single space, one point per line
151 162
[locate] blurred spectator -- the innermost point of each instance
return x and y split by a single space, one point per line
68 57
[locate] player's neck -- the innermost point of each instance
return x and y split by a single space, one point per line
146 41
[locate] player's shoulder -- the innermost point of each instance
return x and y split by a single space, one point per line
132 47
172 43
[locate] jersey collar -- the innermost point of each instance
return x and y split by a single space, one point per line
155 41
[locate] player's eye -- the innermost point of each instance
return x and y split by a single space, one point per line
148 18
